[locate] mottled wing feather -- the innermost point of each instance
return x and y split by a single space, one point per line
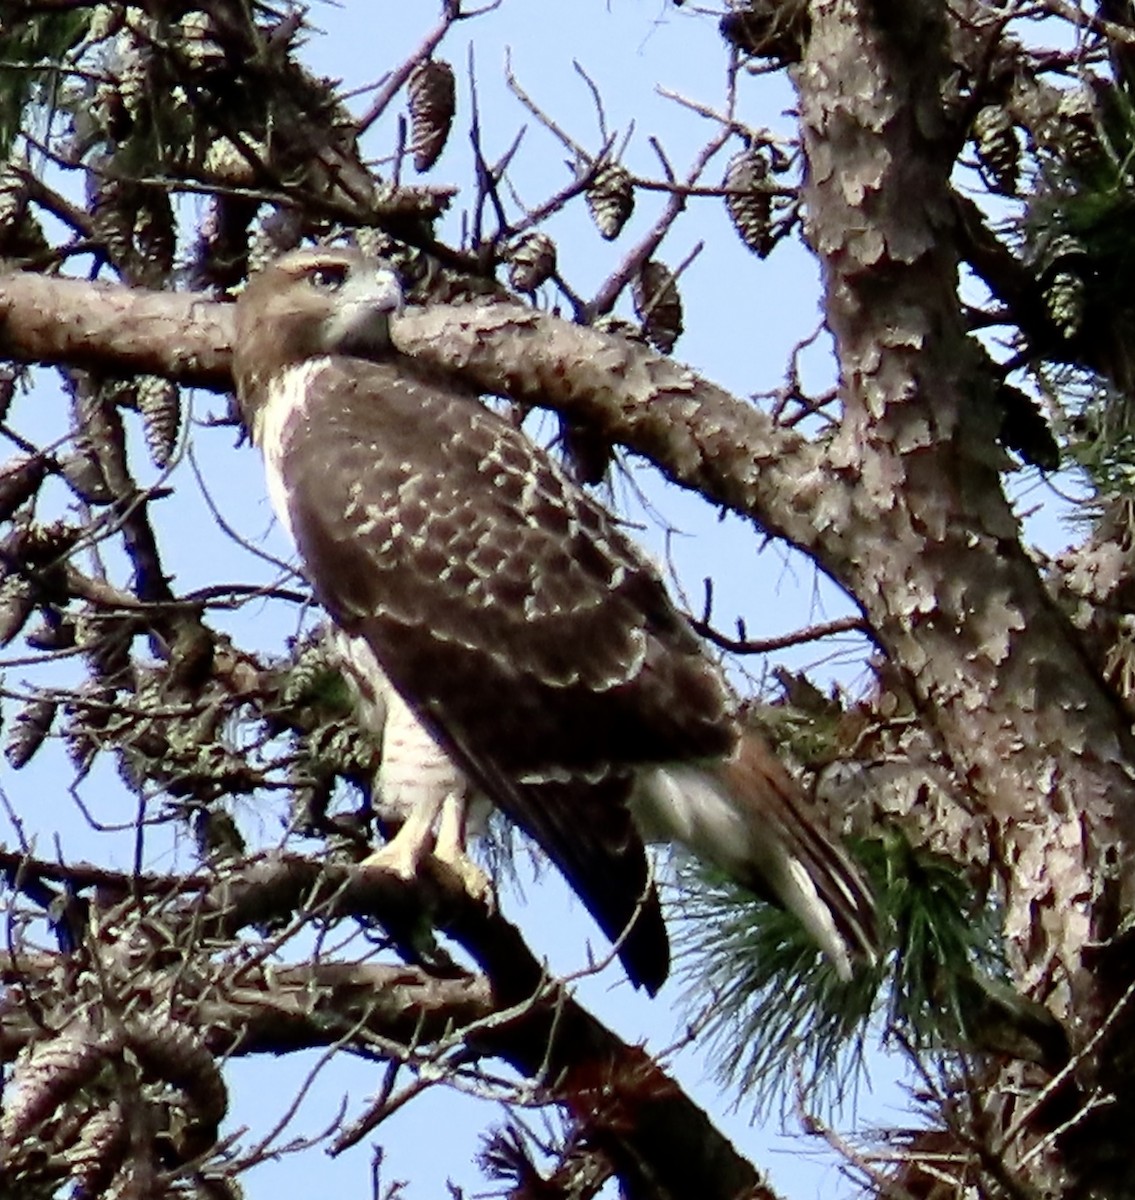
482 571
509 610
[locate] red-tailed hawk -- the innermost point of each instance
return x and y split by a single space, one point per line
516 642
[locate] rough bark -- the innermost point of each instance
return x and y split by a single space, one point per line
700 435
929 546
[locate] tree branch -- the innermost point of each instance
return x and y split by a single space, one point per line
697 433
663 1144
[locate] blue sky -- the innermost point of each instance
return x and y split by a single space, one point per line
742 318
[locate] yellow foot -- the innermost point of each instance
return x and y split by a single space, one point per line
459 874
392 859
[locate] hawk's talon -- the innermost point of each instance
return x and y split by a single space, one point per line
392 859
459 874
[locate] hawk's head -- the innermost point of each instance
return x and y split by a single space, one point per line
306 304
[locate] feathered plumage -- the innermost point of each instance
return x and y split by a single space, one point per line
514 622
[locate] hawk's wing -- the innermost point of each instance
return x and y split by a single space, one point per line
525 630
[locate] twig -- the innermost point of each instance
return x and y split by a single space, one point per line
1079 17
1069 1069
487 181
595 96
541 116
227 529
396 79
84 875
812 633
608 293
385 1105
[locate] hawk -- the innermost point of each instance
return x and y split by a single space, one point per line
513 642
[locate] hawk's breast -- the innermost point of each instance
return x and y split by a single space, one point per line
286 405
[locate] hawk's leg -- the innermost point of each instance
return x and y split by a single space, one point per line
449 849
416 778
418 783
403 854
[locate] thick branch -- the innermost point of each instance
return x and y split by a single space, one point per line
698 434
68 322
665 1146
278 1009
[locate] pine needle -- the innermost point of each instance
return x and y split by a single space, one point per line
776 1018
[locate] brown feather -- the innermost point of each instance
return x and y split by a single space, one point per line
524 630
779 808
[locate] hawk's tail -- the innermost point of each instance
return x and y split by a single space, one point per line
796 859
747 816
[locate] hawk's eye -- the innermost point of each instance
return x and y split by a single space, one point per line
328 279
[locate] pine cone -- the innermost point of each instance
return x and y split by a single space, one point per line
155 236
1077 128
31 726
610 199
432 101
998 150
133 71
10 375
749 200
1062 269
17 603
532 260
113 205
20 478
42 545
159 402
234 165
198 42
13 199
217 836
1064 299
658 305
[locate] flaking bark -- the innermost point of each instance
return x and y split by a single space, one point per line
928 543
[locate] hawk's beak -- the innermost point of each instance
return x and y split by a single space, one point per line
364 304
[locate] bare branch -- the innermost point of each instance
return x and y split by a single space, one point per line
698 435
799 637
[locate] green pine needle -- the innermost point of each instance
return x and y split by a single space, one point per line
29 48
778 1021
769 1004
